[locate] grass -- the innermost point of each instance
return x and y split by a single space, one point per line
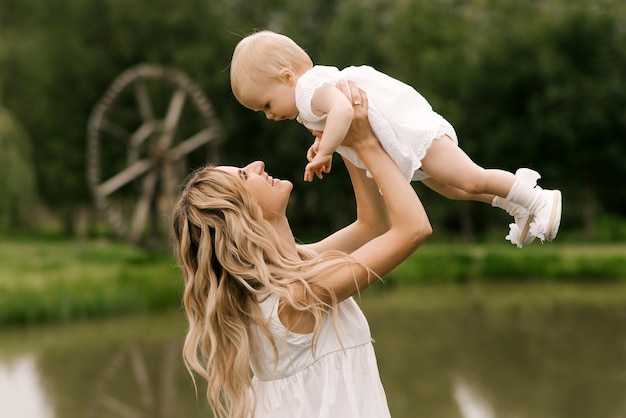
460 263
63 280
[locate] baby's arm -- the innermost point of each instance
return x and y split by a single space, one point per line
331 101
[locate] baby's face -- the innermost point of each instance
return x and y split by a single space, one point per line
276 98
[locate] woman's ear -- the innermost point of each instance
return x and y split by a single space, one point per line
287 76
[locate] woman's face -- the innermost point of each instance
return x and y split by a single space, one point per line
272 194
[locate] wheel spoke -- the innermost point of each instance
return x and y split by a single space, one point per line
141 134
192 143
141 375
170 180
118 407
171 118
114 130
140 216
138 137
143 100
168 392
124 177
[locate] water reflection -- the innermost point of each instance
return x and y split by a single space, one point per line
21 394
471 403
449 362
550 362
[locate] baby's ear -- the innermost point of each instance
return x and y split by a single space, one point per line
287 76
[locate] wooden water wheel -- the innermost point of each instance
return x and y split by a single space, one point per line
149 129
128 389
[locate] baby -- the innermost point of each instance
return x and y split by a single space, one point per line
271 73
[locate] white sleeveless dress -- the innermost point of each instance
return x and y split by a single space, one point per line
334 382
401 118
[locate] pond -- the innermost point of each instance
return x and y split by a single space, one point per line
442 353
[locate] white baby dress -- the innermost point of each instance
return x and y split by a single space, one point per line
401 118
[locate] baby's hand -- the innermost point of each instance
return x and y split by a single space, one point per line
313 149
321 163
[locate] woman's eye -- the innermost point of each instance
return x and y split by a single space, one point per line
243 174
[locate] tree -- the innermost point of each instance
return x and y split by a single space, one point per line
549 92
535 84
18 196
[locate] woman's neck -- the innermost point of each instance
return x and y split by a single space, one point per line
282 228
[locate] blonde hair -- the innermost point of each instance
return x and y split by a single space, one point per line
261 56
230 256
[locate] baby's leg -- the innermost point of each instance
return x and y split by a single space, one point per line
449 165
454 193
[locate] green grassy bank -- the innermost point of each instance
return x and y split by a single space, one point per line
56 280
43 281
498 261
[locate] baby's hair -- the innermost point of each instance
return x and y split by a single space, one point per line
261 56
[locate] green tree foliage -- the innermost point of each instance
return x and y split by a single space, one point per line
546 92
18 196
537 83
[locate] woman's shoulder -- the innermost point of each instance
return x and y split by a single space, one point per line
267 302
269 306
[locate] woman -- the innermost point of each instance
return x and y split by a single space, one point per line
257 300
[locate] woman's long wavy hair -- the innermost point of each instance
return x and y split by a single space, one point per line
230 256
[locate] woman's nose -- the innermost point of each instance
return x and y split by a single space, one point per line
269 115
257 166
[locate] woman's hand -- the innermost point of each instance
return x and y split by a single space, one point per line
360 132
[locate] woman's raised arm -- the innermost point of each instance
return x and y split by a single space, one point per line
372 218
409 223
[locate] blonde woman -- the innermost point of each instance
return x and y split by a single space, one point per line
273 327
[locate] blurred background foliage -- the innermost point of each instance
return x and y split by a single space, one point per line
537 84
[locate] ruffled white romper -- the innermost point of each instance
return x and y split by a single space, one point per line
334 382
401 118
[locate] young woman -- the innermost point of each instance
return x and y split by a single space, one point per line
273 327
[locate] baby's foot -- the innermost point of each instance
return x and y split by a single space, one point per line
520 233
547 217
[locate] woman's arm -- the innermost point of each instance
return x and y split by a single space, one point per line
409 224
372 218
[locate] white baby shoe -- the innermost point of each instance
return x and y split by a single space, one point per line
520 232
547 216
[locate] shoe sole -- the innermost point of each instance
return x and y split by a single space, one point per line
524 232
555 217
